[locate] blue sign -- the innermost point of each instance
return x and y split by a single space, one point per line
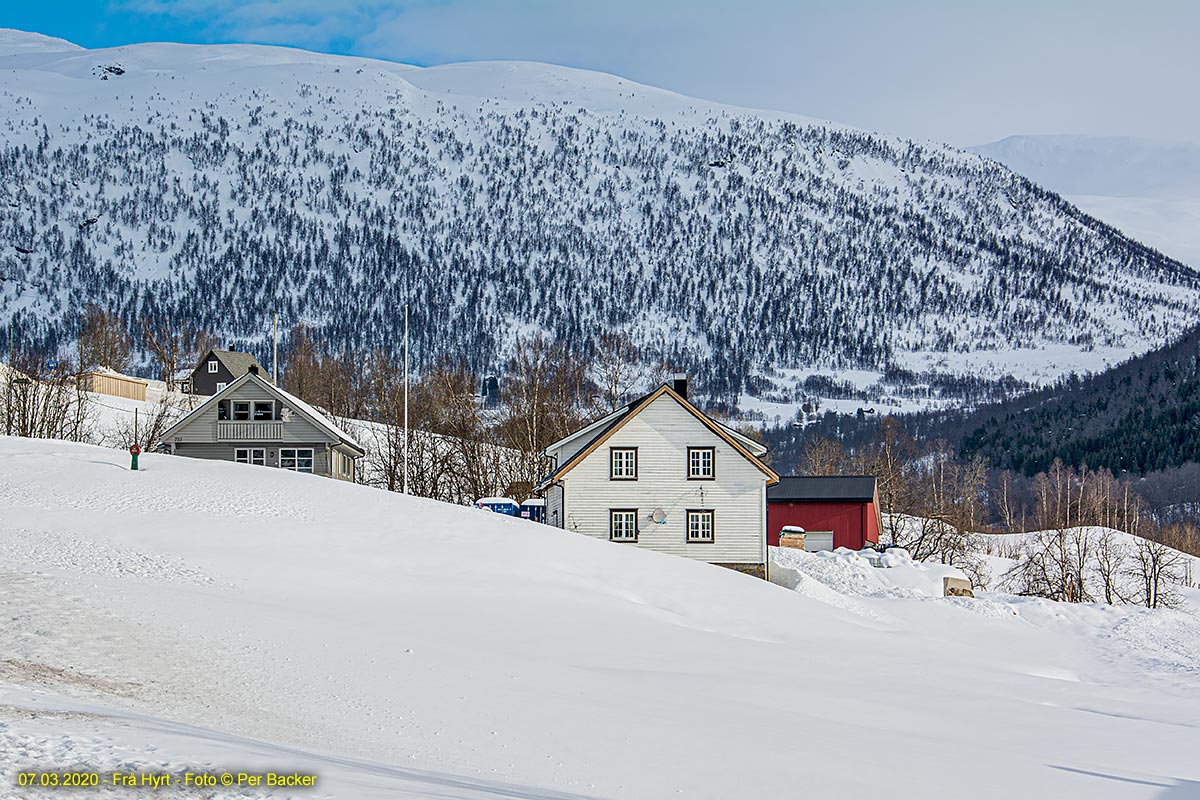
51 365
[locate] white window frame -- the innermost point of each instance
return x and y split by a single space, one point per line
698 519
221 387
697 469
622 463
233 410
294 461
270 404
212 367
622 525
251 455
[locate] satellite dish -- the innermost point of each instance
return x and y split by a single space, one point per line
659 516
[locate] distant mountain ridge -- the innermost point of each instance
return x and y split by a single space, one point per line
1148 189
217 184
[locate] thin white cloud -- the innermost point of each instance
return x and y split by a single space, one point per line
960 71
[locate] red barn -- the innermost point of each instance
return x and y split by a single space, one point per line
847 505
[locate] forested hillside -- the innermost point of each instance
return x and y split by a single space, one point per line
1142 416
215 185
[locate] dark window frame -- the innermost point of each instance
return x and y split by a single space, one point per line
611 454
687 526
612 512
712 463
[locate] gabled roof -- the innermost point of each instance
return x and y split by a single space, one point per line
823 489
602 429
236 362
295 403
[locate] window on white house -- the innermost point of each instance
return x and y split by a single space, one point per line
622 463
212 367
297 459
250 455
264 410
622 525
701 463
241 411
700 526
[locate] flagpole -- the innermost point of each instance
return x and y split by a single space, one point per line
406 398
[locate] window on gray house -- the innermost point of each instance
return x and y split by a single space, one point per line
250 455
264 410
296 459
241 411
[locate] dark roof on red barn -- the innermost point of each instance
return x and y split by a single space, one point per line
822 489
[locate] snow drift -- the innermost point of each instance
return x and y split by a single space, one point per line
202 613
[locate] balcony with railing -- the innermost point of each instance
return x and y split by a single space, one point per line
264 431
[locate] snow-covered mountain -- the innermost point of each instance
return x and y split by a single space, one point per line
1148 189
201 616
219 183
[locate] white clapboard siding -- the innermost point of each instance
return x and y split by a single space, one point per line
662 433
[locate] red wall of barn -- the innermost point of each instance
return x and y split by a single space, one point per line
853 524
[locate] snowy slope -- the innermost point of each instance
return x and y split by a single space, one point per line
1148 189
208 615
220 183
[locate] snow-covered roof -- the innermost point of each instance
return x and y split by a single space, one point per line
112 373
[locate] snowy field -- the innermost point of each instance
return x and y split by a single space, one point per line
210 617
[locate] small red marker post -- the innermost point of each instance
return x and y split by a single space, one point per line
134 452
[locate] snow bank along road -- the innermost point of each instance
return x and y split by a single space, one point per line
207 616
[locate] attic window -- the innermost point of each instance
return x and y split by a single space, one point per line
701 463
622 463
241 411
212 367
264 410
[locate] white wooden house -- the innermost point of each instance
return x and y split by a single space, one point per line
662 475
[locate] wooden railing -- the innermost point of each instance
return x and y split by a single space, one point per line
249 431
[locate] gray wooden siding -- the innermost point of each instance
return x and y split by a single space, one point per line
203 428
554 505
662 433
225 452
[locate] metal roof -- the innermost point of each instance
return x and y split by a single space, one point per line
822 488
236 362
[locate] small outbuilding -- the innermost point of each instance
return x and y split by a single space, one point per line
845 505
103 380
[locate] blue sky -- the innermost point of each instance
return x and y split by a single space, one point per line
964 71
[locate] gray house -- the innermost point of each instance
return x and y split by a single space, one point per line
252 421
219 368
